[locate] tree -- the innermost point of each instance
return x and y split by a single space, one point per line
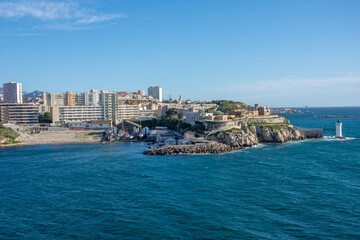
218 113
181 116
171 112
47 115
45 118
199 127
211 110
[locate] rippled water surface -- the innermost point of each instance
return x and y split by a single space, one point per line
307 189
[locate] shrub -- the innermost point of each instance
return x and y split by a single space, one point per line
6 132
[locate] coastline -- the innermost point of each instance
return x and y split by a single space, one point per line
63 137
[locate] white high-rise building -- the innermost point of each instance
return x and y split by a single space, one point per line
12 92
155 92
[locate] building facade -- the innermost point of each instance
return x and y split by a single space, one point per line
12 92
66 99
109 103
155 92
19 113
76 113
128 112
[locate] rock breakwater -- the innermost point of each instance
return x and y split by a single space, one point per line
213 147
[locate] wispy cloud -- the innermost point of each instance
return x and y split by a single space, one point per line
64 13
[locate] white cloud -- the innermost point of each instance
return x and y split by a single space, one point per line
59 12
39 9
100 18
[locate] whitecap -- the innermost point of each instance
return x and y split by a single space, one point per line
333 138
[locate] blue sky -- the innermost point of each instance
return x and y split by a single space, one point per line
272 52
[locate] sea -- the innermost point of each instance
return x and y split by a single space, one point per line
298 190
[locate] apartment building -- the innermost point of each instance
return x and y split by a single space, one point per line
19 113
65 99
109 103
92 98
128 112
155 92
76 113
12 92
54 99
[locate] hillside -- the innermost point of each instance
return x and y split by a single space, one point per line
7 135
226 105
33 94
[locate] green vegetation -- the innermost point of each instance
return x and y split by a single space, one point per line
199 127
171 113
226 105
232 130
272 126
8 133
211 110
217 113
180 116
45 118
170 123
174 124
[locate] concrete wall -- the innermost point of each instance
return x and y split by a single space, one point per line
227 124
267 119
312 133
221 125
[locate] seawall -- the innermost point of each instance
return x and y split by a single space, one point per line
312 133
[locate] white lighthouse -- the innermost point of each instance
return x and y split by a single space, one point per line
339 129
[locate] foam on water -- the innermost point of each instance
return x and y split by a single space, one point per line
333 138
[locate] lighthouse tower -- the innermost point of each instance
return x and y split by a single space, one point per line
339 129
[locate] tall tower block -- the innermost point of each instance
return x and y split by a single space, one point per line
339 129
12 92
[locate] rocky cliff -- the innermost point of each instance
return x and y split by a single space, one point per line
250 135
239 138
278 134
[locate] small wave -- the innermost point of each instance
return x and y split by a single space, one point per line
333 138
258 145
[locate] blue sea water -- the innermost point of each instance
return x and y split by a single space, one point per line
299 190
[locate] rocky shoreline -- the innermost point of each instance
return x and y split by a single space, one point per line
248 136
235 139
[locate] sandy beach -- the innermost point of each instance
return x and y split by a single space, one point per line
58 137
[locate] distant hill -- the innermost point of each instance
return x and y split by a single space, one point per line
33 94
